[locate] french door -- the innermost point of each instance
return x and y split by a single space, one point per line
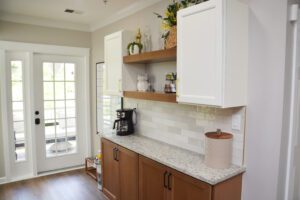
58 113
45 110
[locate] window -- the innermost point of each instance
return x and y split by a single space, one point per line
106 105
18 109
59 108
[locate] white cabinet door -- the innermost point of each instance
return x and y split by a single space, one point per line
113 64
199 54
212 53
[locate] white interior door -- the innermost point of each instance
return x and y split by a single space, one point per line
59 97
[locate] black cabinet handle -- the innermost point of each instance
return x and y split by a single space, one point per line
169 181
117 154
114 153
165 179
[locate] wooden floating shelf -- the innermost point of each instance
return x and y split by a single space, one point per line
151 57
153 96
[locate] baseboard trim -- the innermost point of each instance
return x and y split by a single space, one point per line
59 171
2 180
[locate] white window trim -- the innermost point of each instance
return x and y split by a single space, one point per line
42 49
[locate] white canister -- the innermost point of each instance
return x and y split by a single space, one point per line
218 149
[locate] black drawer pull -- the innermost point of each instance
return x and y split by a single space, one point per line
117 154
169 181
114 154
165 180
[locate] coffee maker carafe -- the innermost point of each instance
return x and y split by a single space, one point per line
124 124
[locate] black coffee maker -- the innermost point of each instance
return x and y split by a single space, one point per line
124 123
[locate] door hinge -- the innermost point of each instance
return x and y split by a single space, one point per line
294 12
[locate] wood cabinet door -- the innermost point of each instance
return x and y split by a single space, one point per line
128 173
151 180
110 170
230 189
182 186
199 54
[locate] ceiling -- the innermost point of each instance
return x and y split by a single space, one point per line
95 14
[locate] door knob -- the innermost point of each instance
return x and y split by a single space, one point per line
37 121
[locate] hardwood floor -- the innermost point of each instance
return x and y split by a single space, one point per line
73 185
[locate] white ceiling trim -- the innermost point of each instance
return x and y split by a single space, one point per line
133 8
24 19
127 11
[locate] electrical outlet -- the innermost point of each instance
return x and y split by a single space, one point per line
236 122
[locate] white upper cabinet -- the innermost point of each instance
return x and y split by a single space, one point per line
212 49
113 58
118 77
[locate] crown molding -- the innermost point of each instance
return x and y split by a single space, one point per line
24 19
127 11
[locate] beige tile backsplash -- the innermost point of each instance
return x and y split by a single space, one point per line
185 125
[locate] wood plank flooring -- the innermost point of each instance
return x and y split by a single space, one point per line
72 185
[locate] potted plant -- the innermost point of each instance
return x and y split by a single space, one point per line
169 20
136 46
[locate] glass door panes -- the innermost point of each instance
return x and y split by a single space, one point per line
18 110
59 108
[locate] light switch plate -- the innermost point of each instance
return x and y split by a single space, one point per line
236 122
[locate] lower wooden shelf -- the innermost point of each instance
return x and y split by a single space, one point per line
90 168
153 96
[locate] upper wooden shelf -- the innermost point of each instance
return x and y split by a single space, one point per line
153 96
152 57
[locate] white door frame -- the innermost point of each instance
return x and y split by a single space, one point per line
31 49
294 106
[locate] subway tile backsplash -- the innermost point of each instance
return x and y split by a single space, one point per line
185 125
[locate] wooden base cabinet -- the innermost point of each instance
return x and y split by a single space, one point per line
158 182
119 171
129 176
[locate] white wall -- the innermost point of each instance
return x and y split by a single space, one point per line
144 19
44 35
266 90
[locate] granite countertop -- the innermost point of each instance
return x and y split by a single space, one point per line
185 161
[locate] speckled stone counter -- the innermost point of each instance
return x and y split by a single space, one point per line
185 161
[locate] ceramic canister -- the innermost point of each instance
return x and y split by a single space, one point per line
218 149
